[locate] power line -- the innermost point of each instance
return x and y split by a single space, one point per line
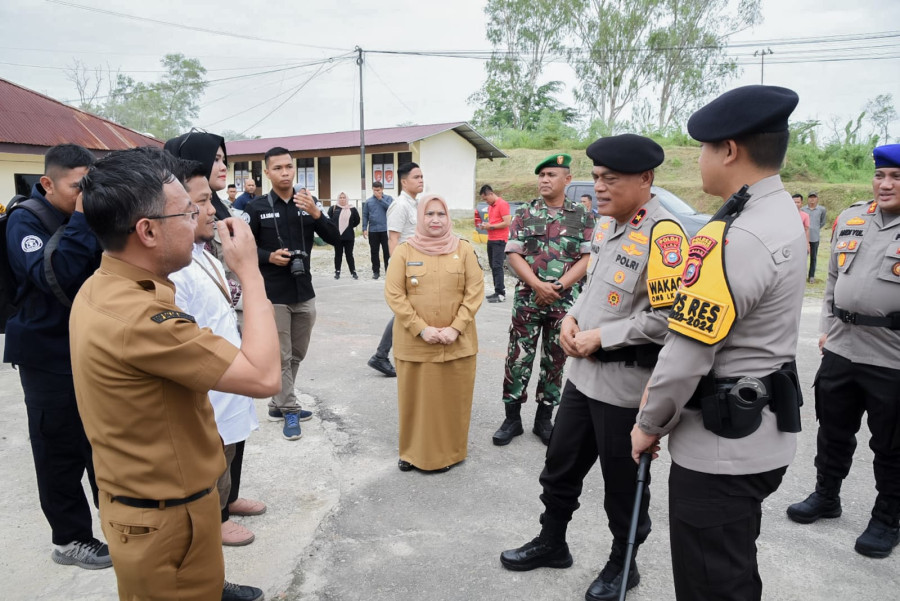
188 27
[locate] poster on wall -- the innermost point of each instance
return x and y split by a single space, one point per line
377 173
301 178
389 176
311 178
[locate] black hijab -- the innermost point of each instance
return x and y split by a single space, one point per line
201 147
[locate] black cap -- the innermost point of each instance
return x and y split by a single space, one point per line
627 153
743 111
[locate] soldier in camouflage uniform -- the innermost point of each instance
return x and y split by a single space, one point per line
549 246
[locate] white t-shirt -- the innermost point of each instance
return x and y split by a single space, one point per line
402 216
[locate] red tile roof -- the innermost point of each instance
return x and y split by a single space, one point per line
32 119
374 137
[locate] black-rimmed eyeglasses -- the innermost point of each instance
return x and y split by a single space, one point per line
193 215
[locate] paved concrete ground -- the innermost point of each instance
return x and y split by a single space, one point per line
345 524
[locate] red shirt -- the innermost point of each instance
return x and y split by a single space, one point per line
496 213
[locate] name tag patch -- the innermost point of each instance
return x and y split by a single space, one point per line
167 315
415 263
700 315
662 290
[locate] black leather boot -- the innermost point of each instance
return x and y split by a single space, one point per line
543 427
511 426
548 550
883 531
608 582
824 502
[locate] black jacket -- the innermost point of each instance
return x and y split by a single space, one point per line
297 232
335 217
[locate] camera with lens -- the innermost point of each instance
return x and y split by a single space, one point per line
298 268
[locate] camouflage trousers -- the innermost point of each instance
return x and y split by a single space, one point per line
530 322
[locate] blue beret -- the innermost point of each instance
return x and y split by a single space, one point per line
743 111
887 156
626 153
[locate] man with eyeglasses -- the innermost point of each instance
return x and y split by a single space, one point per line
142 370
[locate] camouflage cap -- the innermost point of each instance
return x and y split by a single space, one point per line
554 160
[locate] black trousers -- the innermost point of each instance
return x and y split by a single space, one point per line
235 468
813 253
496 256
345 247
61 454
379 240
844 391
714 521
587 429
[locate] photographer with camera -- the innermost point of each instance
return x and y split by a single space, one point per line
284 224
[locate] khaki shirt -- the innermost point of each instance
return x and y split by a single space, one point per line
438 291
142 370
765 261
864 278
615 300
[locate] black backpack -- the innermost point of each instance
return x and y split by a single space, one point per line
9 300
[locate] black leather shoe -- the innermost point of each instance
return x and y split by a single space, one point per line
509 429
383 365
878 540
537 554
815 506
609 582
239 592
405 466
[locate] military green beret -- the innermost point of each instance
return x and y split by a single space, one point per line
554 160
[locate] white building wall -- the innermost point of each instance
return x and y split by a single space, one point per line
448 162
345 176
10 164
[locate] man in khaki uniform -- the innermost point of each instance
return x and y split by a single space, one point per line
860 369
730 350
613 334
142 372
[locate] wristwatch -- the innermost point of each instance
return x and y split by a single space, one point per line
559 286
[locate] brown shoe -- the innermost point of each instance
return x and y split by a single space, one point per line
235 535
247 507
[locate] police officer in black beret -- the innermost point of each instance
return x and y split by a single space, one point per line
725 387
612 334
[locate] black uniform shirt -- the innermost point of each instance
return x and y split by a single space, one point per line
297 229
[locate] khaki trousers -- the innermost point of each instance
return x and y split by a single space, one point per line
295 323
166 554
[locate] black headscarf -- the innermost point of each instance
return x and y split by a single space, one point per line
201 147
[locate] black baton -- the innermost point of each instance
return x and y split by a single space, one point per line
643 468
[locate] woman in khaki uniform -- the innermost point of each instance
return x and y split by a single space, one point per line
434 286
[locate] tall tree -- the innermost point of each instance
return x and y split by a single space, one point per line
689 47
881 112
525 35
610 57
163 109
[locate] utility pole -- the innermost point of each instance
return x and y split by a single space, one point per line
362 129
762 63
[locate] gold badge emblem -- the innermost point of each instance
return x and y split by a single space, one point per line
896 269
619 276
614 299
856 221
632 250
853 244
638 237
560 159
842 258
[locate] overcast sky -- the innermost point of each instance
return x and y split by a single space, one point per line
399 89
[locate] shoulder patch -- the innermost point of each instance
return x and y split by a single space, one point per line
664 267
31 244
167 315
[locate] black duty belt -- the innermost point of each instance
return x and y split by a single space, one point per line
154 504
644 355
695 401
891 321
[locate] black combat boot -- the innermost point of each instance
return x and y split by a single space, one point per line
608 582
824 502
543 427
548 550
883 531
511 426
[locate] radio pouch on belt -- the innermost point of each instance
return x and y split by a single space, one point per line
787 397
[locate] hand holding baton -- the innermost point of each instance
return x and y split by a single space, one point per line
643 470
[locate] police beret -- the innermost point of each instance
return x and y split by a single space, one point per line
743 111
626 153
887 156
554 160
